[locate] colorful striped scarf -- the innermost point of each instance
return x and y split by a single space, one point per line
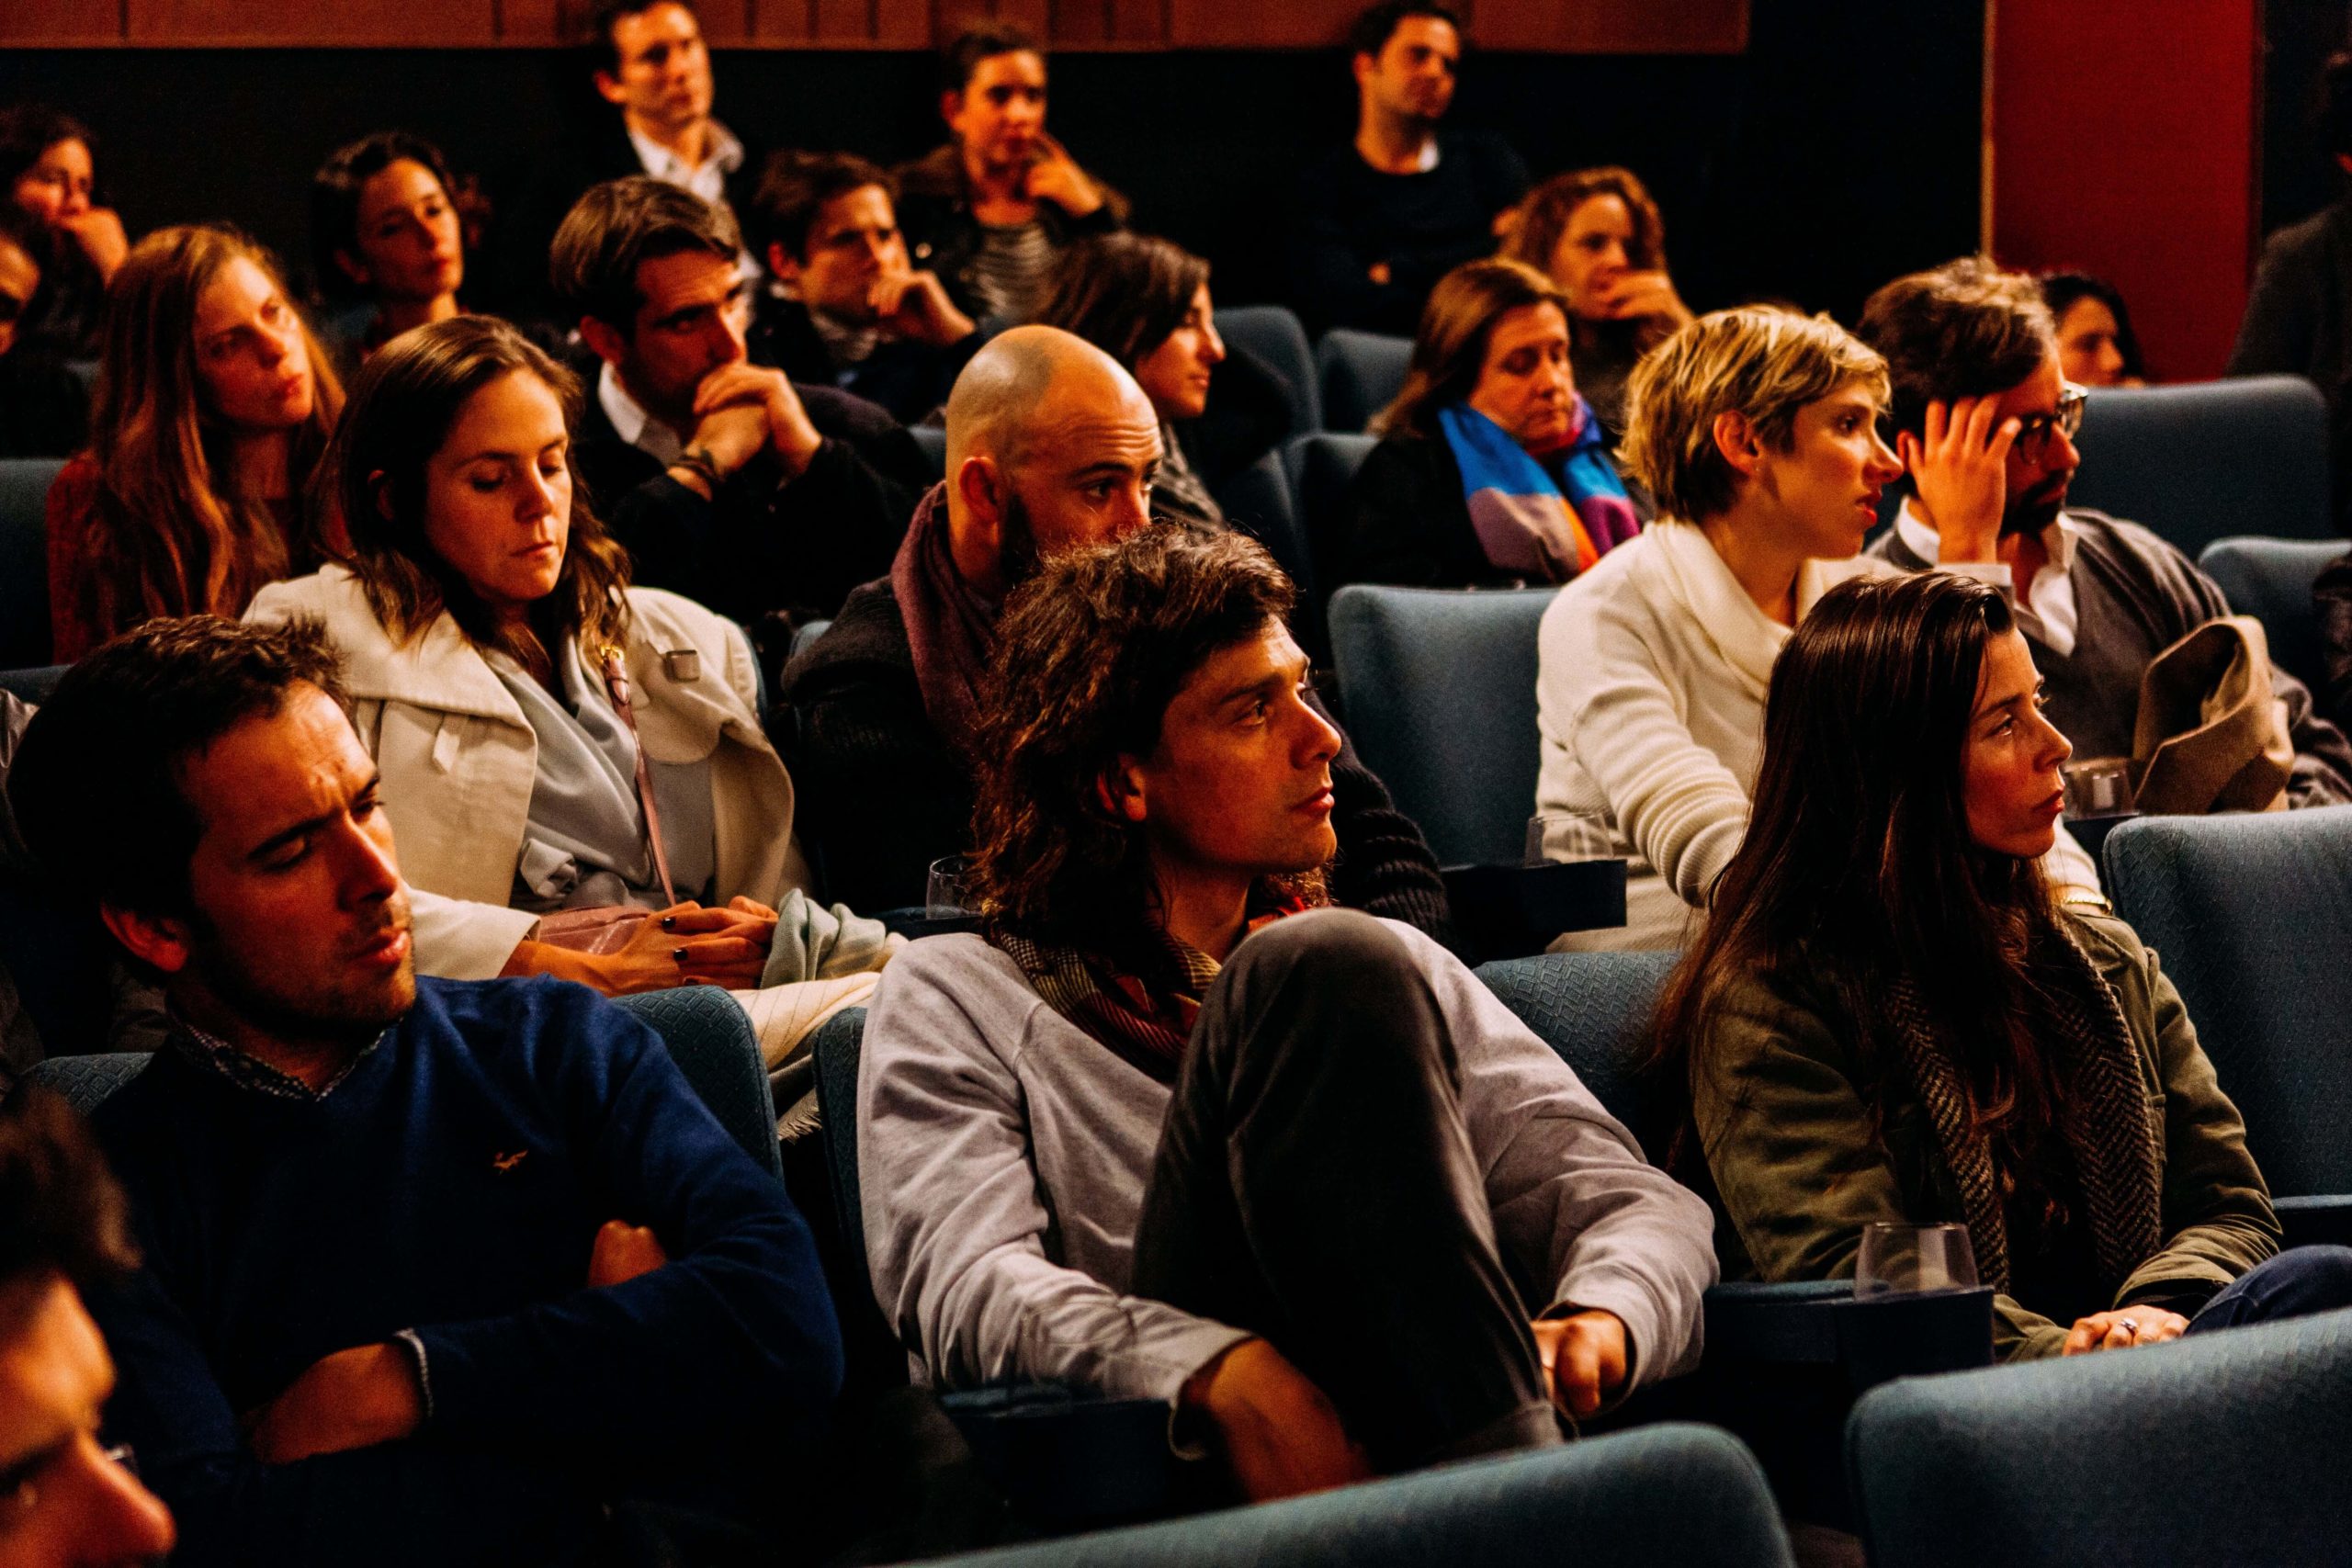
1547 520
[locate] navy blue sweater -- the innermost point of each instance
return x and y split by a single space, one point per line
453 1184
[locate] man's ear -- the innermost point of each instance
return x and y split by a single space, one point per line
951 105
985 492
1120 790
609 89
1364 66
352 267
604 341
1737 442
161 941
782 263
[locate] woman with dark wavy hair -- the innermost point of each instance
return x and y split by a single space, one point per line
1890 1018
574 767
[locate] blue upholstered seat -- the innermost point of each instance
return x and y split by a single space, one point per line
2198 461
1594 1010
24 560
33 685
1692 1497
85 1081
2227 1448
1271 335
1361 372
1319 469
2271 580
2252 916
1438 687
932 440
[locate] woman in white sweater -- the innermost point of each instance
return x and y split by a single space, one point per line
559 751
1757 431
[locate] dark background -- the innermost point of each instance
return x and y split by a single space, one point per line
2298 36
1841 150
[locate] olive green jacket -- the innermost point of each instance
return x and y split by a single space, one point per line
1798 1170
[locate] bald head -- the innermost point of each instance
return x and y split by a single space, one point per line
1050 445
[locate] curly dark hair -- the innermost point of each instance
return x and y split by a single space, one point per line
1089 653
1967 329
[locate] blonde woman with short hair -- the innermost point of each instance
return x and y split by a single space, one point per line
1756 432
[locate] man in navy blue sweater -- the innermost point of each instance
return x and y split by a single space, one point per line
435 1273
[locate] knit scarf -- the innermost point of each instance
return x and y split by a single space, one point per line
2102 1112
1144 1014
1548 519
951 629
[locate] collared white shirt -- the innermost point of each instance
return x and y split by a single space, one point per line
706 179
2046 612
632 424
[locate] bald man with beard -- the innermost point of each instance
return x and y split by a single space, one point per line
1051 446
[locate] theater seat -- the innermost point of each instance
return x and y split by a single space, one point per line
2252 917
2226 1448
1271 335
931 440
712 1040
1688 1495
1439 690
87 1081
1362 374
2271 580
1594 1010
2197 461
24 560
34 685
1321 468
1257 500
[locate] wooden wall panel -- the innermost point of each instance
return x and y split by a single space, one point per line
531 23
62 24
1292 24
1578 26
454 24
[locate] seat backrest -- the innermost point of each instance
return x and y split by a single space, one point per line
1257 500
837 1045
710 1039
85 1082
805 636
24 560
1363 373
35 685
2252 916
2226 1448
1689 1495
931 440
2197 461
1321 468
1594 1010
1271 335
1438 687
2271 580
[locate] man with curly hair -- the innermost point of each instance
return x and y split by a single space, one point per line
1171 1129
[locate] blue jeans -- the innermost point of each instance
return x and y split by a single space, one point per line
2300 1280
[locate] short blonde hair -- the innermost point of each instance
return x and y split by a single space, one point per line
1758 361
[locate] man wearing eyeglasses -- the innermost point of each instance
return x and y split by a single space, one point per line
1985 425
64 1499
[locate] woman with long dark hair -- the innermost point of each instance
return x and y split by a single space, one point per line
1890 1017
574 767
387 240
213 406
49 171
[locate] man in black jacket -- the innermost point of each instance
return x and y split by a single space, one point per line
1050 446
727 484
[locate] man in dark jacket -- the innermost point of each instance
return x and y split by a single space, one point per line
723 479
436 1271
1050 446
1985 425
991 210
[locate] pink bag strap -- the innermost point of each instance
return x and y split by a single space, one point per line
617 686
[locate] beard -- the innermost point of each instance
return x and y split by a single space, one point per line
333 1004
2037 508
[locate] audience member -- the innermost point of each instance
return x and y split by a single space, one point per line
844 307
1167 1130
48 169
717 476
1376 224
560 752
1973 356
385 237
2097 346
2296 310
1757 430
66 1500
1889 1020
44 405
435 1273
647 61
1598 235
1050 446
1145 302
213 405
990 211
1491 471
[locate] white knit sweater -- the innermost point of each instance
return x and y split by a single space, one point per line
1650 695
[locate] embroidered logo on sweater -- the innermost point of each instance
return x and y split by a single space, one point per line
504 1162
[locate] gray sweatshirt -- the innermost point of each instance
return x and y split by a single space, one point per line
1003 1156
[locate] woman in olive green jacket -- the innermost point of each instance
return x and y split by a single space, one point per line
1888 1018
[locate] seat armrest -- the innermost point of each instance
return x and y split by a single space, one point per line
1070 1461
1514 911
2311 1222
1820 1322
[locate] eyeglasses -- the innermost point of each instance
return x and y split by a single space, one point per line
2035 429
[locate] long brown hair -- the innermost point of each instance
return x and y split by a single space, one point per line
172 537
406 397
1124 293
1451 348
1858 865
